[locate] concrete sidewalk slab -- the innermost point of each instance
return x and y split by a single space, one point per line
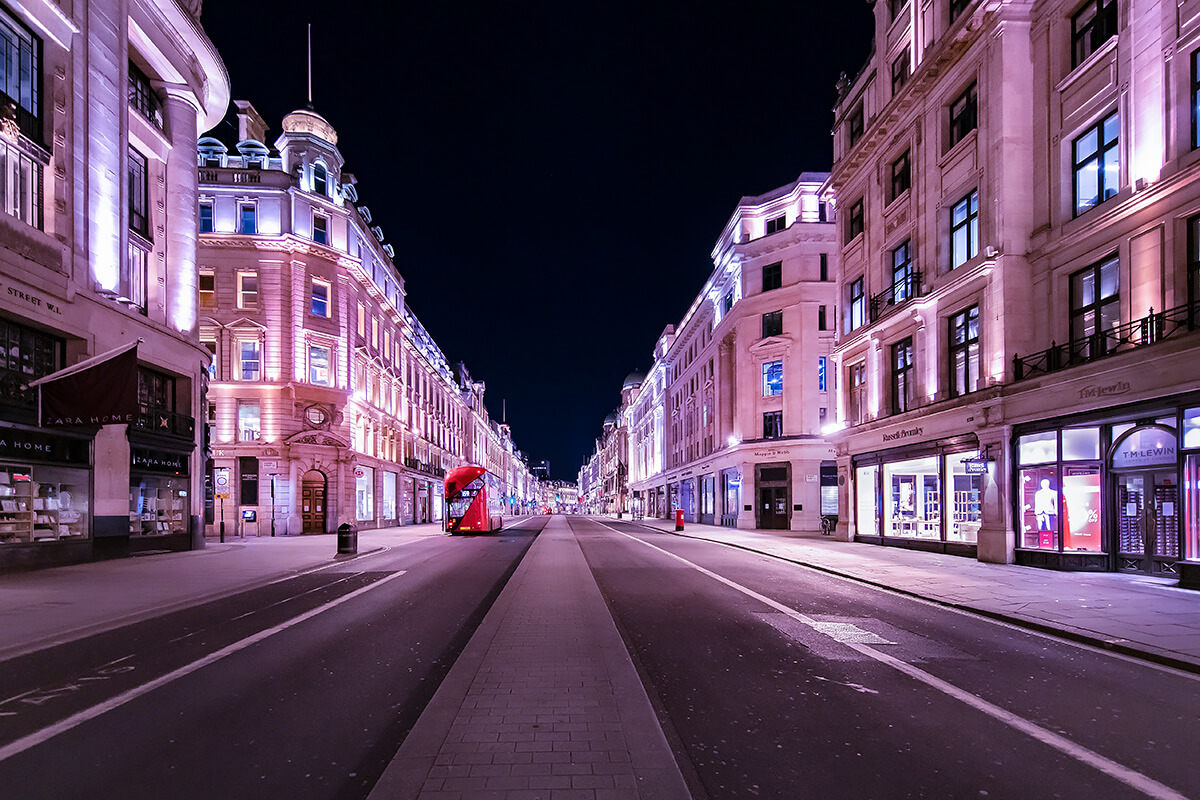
47 607
543 702
1141 616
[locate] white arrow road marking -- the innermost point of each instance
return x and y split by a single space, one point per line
1142 783
64 725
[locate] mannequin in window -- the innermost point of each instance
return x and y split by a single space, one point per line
1045 506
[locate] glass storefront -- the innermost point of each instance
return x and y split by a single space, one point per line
364 493
389 495
157 505
864 511
42 504
1061 498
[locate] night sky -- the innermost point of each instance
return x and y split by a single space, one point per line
554 175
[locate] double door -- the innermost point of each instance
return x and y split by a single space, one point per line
1147 510
773 508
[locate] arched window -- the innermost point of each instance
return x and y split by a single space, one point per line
320 180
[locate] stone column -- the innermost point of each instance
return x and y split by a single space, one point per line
180 288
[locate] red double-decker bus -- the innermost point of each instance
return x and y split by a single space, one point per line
473 500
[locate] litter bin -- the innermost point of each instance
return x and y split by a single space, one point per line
679 519
347 540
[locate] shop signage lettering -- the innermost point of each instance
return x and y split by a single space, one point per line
51 448
158 461
99 419
1094 391
774 451
904 434
1145 447
34 300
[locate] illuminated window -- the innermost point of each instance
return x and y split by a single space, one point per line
207 284
21 74
133 277
139 194
854 221
772 378
247 289
772 323
247 218
1095 307
375 332
963 114
901 176
210 344
728 301
964 230
206 216
856 379
320 229
772 276
250 355
319 359
1093 25
902 273
1097 163
362 320
249 421
20 184
857 304
903 376
772 424
822 369
320 298
964 351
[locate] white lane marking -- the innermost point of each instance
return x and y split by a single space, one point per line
64 725
1132 778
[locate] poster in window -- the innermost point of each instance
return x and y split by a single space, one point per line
904 495
1039 508
1081 509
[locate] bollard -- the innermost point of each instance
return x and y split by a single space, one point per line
347 540
679 519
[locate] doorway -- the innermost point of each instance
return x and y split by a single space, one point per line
772 507
312 502
1147 522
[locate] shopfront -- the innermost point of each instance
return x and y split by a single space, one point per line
731 496
45 498
1111 494
158 499
773 483
925 496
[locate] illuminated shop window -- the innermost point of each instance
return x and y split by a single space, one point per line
772 378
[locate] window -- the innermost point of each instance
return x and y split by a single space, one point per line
249 421
772 378
249 350
957 7
822 371
772 276
772 424
902 273
20 180
1097 163
1194 265
854 125
901 176
776 224
857 305
320 229
21 74
155 389
206 216
854 221
139 194
133 279
822 211
772 324
247 289
903 376
143 97
320 180
822 322
1196 99
728 301
964 230
856 379
362 320
895 7
210 344
964 352
375 332
248 217
900 71
963 115
824 266
1092 26
207 285
319 358
320 298
1095 306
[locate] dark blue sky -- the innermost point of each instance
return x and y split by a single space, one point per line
571 166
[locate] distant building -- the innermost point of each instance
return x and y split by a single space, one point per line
1020 212
100 105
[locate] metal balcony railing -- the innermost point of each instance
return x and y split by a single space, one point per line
896 295
1152 328
165 423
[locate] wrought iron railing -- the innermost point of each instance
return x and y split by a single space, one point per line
1154 327
165 423
895 296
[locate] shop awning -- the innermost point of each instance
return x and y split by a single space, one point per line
101 390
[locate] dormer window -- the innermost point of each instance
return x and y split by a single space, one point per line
320 180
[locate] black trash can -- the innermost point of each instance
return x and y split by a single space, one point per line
347 540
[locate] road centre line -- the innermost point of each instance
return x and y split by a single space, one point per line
62 726
1130 777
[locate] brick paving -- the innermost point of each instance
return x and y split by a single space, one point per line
543 704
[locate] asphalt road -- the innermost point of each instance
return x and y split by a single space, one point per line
300 689
775 681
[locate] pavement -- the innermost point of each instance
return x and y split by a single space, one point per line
544 700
